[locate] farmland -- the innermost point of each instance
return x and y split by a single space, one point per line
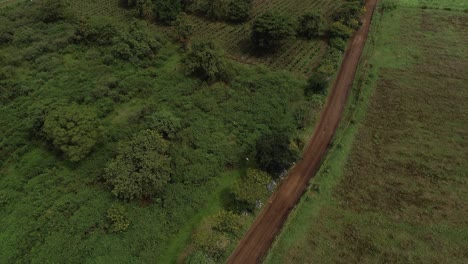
393 188
298 55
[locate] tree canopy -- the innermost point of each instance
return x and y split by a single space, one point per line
141 168
311 25
206 61
273 153
72 129
269 29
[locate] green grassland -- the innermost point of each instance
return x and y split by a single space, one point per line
393 188
436 4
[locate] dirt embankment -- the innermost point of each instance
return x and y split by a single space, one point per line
256 243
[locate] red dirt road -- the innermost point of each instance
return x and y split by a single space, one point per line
256 243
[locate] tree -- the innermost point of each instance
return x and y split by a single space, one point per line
144 7
141 168
52 10
238 10
269 29
311 25
252 188
217 9
73 130
167 11
273 153
183 28
317 84
206 61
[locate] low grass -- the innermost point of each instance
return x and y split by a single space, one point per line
393 188
437 4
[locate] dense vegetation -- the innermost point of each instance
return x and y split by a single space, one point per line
393 189
113 135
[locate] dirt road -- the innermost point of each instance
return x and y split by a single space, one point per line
255 244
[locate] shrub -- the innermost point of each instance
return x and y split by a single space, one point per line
206 61
117 219
269 29
317 84
52 10
183 28
311 25
165 122
339 30
238 10
73 130
167 11
338 43
251 188
273 153
141 168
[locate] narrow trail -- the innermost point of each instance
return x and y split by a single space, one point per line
259 238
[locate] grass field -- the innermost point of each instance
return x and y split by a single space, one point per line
393 189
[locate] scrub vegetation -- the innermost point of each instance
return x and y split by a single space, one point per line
128 136
393 189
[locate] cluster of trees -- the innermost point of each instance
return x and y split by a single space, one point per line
270 29
224 10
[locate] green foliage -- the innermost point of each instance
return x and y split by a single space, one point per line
141 168
252 188
137 44
311 25
387 6
144 7
72 129
269 29
198 258
183 28
349 14
166 11
52 10
99 30
214 235
273 153
338 43
117 218
239 10
165 122
317 84
339 30
206 61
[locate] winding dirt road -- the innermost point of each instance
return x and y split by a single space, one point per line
257 241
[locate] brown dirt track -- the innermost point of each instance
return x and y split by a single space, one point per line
256 243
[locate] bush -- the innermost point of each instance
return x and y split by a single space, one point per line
52 10
165 122
100 30
311 25
238 10
73 130
183 28
269 29
251 188
273 153
117 219
206 61
339 30
167 11
317 84
338 43
141 168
